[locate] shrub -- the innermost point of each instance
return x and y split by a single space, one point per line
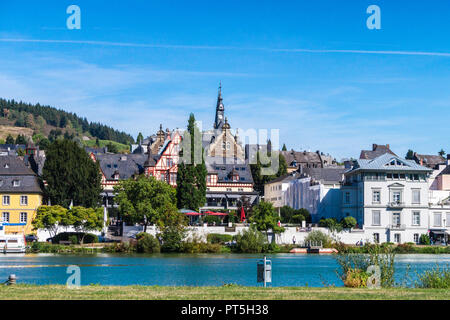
196 245
212 219
435 278
348 222
404 248
218 238
356 278
172 239
424 239
298 218
75 237
146 243
250 241
121 247
331 224
318 236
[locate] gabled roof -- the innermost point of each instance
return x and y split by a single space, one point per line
446 171
429 160
388 162
126 164
327 174
301 157
13 165
377 150
216 165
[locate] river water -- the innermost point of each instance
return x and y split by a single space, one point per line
192 270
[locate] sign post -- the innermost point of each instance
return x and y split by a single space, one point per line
264 271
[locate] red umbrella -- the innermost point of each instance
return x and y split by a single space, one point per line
210 213
242 214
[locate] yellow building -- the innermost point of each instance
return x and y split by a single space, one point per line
20 195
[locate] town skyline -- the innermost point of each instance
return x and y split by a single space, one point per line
327 86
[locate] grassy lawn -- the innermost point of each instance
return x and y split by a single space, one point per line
25 292
121 147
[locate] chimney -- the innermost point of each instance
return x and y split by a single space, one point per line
387 146
374 146
448 159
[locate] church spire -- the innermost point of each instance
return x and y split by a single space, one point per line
220 109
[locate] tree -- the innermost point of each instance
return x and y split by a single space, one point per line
44 143
191 175
259 179
50 218
85 219
284 147
21 139
71 175
112 148
441 153
409 155
146 201
265 218
140 138
348 222
9 139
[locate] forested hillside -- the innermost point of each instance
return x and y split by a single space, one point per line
48 121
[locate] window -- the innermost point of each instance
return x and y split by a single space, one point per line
396 219
397 237
416 196
24 200
169 162
228 189
23 217
437 219
16 183
416 238
376 220
447 222
5 216
376 237
208 178
416 218
397 196
376 196
347 197
6 200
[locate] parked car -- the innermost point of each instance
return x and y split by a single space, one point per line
31 238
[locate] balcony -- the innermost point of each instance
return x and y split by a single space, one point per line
396 204
397 226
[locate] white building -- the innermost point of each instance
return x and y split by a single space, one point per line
389 197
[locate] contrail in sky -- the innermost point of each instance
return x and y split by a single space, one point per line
200 47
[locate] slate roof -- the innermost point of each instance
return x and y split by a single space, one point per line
126 164
377 150
285 178
429 160
224 170
446 171
301 157
12 168
379 164
327 174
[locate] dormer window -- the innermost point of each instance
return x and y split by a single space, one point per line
6 166
16 183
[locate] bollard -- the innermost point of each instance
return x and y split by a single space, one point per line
11 280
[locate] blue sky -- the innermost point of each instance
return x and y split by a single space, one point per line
311 69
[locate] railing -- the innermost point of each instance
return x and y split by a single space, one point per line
396 204
311 244
397 226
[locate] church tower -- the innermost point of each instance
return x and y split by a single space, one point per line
220 110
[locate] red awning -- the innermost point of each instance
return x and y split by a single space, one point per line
192 213
210 213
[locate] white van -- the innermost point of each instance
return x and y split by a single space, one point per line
13 243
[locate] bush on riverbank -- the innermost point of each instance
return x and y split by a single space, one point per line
250 241
196 245
75 237
45 247
218 238
318 236
406 248
434 278
146 243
